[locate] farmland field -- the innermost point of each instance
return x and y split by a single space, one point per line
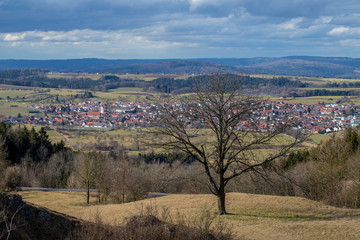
322 81
134 141
309 100
13 109
92 76
311 80
124 94
95 76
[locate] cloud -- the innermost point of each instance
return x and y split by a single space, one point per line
195 4
183 27
14 37
344 31
292 24
88 37
339 31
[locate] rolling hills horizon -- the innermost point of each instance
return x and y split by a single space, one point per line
335 67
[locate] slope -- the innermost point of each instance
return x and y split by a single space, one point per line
252 216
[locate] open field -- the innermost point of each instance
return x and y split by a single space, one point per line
124 94
134 140
64 96
251 216
129 139
150 77
311 80
318 138
13 109
309 100
331 89
322 81
93 76
334 80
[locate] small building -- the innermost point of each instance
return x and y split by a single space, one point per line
34 111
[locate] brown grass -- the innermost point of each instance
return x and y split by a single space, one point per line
252 216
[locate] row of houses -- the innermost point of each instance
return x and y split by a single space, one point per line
314 118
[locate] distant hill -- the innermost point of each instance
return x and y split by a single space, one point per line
294 65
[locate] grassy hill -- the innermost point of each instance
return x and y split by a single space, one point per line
251 216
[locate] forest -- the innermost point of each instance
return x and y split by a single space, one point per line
38 78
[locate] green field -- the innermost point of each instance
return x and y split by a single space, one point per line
124 94
318 138
323 81
309 100
331 89
9 109
311 80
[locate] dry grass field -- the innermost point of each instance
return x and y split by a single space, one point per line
251 216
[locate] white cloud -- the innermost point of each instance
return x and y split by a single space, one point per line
198 3
153 26
339 31
292 24
86 38
11 37
344 31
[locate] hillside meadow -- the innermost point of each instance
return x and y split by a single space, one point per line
138 140
251 216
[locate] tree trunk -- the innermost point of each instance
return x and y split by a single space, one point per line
221 201
221 205
88 194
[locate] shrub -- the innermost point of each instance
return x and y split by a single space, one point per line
148 226
332 173
13 178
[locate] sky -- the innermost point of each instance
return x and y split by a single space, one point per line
158 29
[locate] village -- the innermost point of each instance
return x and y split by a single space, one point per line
310 118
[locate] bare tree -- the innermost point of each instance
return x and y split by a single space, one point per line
8 218
238 132
86 168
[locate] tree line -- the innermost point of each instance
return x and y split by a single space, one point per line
28 158
325 92
20 143
38 78
343 84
